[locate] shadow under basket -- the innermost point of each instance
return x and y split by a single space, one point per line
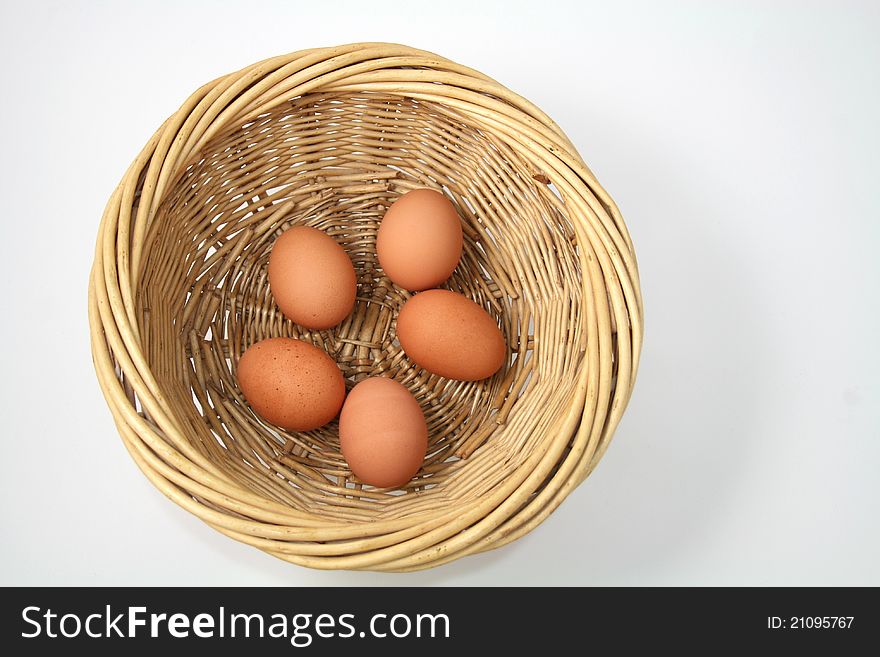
330 138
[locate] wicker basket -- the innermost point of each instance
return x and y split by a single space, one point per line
329 138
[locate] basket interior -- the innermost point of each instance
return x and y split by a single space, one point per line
337 162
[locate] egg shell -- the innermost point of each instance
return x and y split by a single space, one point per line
291 383
448 334
419 240
383 433
311 278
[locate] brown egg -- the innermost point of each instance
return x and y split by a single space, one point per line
311 278
382 432
419 240
450 335
291 383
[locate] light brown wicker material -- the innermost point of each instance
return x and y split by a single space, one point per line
330 138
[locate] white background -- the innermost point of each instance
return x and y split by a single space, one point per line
741 141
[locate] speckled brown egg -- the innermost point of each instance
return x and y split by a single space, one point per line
291 383
311 278
419 240
383 433
450 335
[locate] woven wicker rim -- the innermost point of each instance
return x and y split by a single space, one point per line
330 137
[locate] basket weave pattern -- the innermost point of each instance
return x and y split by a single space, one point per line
330 138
